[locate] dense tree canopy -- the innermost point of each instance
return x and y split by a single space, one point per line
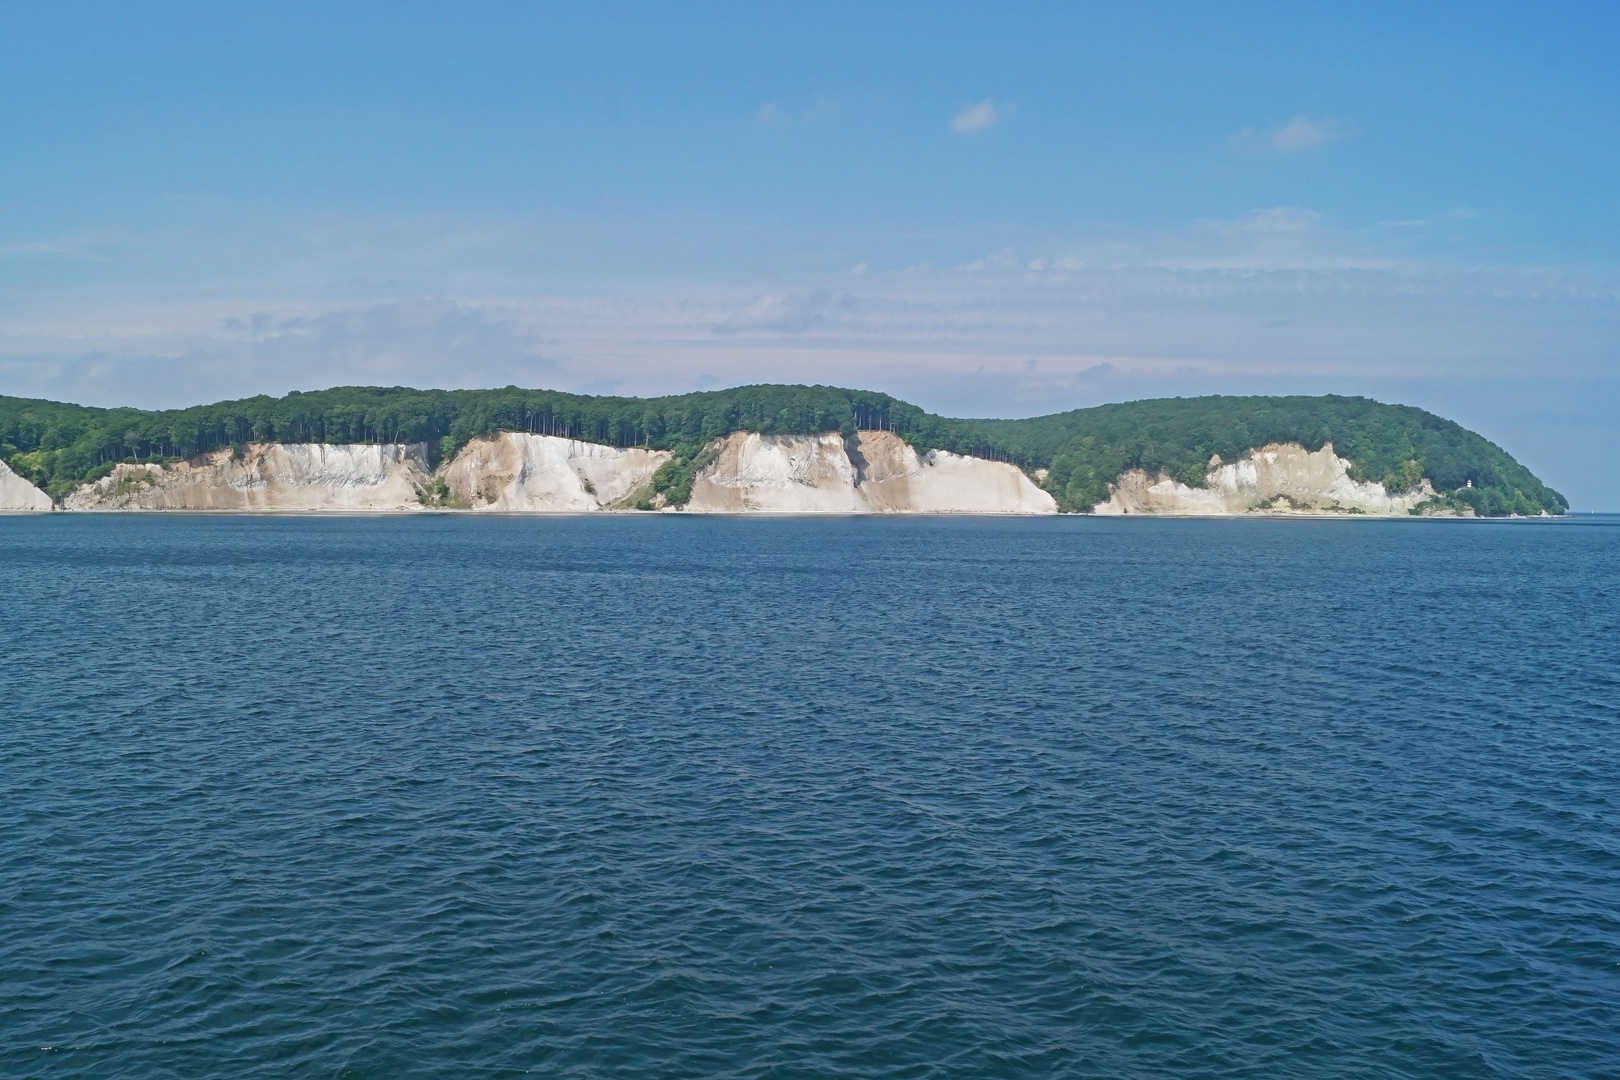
58 446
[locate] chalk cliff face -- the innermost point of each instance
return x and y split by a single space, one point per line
1281 478
876 472
780 474
18 494
894 478
514 471
269 476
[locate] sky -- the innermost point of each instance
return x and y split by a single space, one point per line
986 209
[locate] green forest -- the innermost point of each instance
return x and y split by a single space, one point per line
59 446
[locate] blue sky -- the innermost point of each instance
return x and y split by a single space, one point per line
987 209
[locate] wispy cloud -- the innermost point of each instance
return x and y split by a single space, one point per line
772 114
999 261
976 118
391 337
425 342
1300 133
793 312
81 246
1297 135
1272 220
50 249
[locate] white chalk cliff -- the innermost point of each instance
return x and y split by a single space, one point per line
872 472
269 476
18 494
875 472
779 474
514 471
894 478
1281 478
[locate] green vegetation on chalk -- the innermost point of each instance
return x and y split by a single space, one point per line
673 480
59 446
1396 445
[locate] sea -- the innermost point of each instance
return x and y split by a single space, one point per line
668 796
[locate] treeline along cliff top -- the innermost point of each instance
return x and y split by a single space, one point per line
59 446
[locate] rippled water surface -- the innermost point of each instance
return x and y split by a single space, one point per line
444 796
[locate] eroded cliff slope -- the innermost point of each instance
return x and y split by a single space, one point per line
18 494
1272 479
746 472
895 478
269 476
518 472
873 472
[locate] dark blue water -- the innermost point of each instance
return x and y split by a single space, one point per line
443 796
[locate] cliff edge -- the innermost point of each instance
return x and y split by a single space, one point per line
1272 479
18 494
268 476
523 473
870 472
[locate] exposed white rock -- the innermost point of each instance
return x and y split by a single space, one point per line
1280 478
18 494
519 472
793 474
876 472
269 476
515 471
895 479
